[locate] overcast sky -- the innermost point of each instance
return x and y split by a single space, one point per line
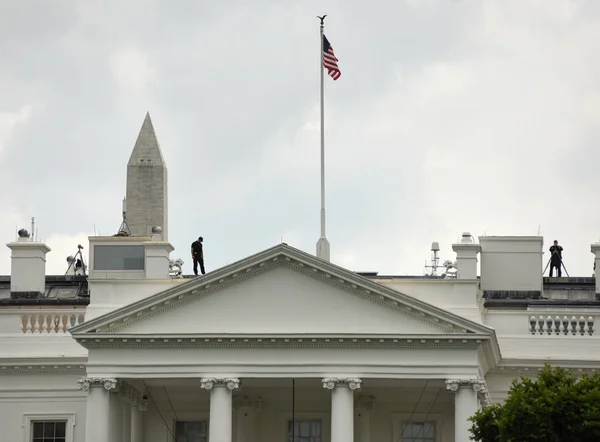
449 116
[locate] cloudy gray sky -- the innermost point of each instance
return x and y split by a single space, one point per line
450 115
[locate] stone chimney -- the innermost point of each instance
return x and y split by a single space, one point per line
28 267
157 256
466 257
512 264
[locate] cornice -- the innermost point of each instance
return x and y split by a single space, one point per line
272 341
42 369
532 368
258 264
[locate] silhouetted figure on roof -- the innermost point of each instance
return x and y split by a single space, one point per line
556 259
198 256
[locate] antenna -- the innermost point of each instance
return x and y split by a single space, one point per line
33 228
124 228
435 259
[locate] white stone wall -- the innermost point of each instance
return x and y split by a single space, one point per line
24 398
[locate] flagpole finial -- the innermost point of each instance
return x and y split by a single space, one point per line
322 19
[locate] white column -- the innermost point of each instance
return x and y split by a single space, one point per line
221 412
97 416
363 407
342 407
466 404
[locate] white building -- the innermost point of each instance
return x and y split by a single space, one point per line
278 342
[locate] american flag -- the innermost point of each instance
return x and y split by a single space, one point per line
329 60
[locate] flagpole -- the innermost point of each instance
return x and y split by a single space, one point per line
322 245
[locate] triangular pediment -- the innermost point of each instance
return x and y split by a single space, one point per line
281 291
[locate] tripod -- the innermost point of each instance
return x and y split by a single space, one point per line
561 263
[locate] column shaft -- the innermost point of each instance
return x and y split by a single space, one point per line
466 404
342 407
97 416
221 411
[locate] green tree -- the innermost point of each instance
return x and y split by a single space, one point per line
558 406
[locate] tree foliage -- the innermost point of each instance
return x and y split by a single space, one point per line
558 406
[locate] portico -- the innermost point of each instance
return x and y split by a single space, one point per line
233 409
270 330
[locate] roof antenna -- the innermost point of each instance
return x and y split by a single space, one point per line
33 229
124 229
539 229
435 259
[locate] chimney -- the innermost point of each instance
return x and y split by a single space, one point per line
157 255
512 264
28 267
466 257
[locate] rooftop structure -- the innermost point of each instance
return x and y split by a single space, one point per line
281 341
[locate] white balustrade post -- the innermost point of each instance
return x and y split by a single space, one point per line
342 407
97 420
221 411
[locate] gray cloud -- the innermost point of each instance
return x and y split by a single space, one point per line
449 116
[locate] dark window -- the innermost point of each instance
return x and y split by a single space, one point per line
304 431
191 431
46 431
418 432
118 257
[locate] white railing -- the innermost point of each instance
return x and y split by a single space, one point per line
50 322
561 326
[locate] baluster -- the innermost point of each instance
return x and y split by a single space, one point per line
36 323
54 322
565 323
23 324
582 325
549 325
532 322
81 318
541 324
590 324
28 324
573 325
65 323
557 325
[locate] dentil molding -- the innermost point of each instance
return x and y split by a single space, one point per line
230 383
351 383
86 383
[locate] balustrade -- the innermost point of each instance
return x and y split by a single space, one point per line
565 326
42 322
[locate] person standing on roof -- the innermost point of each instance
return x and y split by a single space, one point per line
556 259
198 256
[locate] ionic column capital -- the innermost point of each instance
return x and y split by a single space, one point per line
351 383
456 384
230 383
86 383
